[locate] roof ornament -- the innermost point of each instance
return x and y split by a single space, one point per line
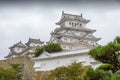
29 38
81 15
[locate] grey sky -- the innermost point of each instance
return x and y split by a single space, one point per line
21 20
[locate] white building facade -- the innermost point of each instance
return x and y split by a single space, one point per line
20 49
75 39
49 61
73 33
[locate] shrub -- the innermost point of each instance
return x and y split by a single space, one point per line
91 74
105 67
38 51
51 47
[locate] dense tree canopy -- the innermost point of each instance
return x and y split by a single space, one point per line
13 73
7 74
72 72
109 53
92 74
17 68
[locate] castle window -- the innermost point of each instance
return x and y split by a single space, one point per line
80 24
72 23
75 24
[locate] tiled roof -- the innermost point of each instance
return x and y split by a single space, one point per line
19 44
71 16
34 41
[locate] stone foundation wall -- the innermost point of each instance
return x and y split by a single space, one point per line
28 70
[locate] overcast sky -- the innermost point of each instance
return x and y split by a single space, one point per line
36 19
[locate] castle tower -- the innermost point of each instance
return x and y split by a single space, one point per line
20 49
73 33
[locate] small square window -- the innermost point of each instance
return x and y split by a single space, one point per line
80 24
72 23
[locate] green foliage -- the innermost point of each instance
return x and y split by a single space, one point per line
116 75
119 58
108 54
91 74
72 72
105 67
51 47
13 73
117 40
38 51
88 74
98 51
18 70
7 74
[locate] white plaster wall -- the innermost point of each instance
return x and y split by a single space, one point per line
34 44
69 40
45 65
68 25
18 50
78 33
77 47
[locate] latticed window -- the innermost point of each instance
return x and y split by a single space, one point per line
72 23
80 24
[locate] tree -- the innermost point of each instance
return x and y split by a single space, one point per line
7 74
116 75
105 67
92 74
109 53
18 70
72 72
117 40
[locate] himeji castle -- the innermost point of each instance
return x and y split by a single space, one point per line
73 33
75 39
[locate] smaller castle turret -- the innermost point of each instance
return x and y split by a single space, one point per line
20 49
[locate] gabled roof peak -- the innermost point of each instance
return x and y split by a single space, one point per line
19 44
31 40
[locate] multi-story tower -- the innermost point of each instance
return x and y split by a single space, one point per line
20 49
73 33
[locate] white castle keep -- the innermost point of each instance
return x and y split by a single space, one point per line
75 39
73 33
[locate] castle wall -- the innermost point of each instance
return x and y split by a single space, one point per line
52 63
